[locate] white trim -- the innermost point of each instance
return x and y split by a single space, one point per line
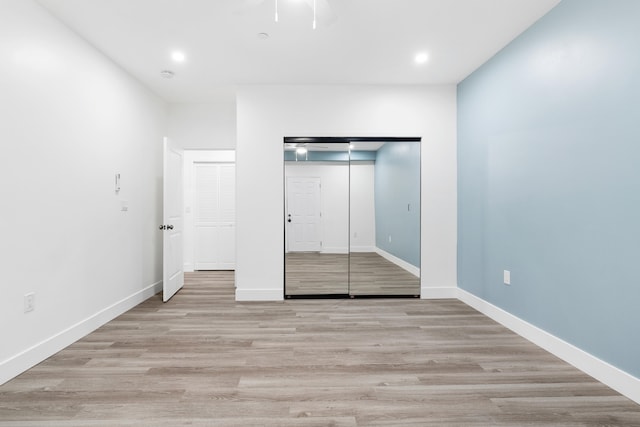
259 294
439 292
621 381
400 263
188 267
15 365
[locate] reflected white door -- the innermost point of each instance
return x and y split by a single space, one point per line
303 214
215 216
173 219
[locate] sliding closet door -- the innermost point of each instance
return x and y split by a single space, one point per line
316 187
352 217
384 255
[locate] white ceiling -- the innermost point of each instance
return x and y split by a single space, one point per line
356 41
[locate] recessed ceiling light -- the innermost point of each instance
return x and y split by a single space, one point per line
178 56
301 150
263 36
167 74
421 58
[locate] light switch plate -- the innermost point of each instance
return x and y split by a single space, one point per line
507 277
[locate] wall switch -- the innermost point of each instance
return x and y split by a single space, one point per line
389 238
507 277
29 302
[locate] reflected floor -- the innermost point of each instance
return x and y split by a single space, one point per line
313 273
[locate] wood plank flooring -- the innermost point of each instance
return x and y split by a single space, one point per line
203 359
358 274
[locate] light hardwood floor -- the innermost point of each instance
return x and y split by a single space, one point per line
203 359
357 273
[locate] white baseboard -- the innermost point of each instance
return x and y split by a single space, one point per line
363 249
399 262
259 294
624 383
188 267
15 365
440 292
334 250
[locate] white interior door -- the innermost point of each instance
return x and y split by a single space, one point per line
173 219
215 216
303 214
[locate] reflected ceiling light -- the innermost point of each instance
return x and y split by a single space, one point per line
178 56
421 58
301 150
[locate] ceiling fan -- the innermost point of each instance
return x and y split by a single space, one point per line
323 12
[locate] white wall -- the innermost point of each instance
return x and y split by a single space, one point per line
71 120
190 157
204 126
266 114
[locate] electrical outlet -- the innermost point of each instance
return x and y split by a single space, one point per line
507 277
29 302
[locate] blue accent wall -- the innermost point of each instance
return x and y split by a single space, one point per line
549 178
397 185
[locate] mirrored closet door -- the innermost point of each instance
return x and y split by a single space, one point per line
384 244
352 217
317 219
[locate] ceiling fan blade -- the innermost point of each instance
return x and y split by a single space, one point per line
325 13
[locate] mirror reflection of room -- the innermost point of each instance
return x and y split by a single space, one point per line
317 223
352 218
385 209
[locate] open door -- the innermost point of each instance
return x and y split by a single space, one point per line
173 220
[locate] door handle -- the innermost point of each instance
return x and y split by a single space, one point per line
169 227
289 219
162 227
